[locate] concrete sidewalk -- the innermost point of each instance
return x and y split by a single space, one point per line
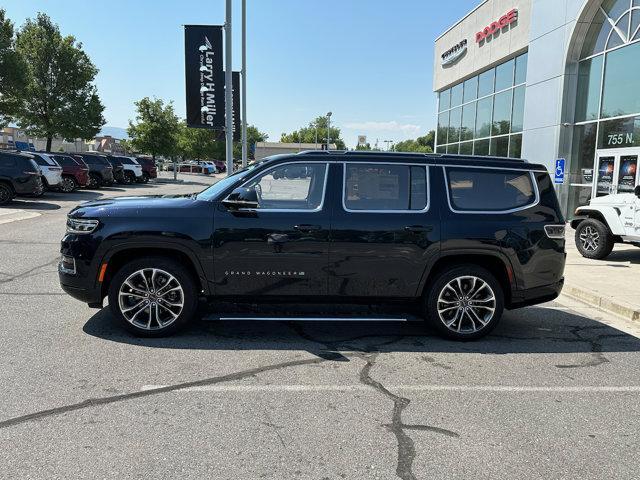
612 284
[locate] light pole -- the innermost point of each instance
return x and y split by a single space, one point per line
328 129
228 91
243 88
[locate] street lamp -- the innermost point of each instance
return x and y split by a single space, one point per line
328 128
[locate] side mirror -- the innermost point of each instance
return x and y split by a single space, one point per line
242 197
636 191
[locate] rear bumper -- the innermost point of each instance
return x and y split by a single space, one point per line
534 296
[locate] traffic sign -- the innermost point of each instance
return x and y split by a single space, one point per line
559 173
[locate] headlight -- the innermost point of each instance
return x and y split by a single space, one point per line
77 225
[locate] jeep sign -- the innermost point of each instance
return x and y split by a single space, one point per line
506 19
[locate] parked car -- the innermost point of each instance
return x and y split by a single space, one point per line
132 169
19 175
118 169
75 173
458 237
222 166
100 170
149 168
208 167
606 221
51 171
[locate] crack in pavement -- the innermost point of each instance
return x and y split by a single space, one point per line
29 272
95 402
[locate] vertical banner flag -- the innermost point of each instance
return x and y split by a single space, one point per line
235 85
204 75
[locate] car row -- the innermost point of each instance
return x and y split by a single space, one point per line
32 173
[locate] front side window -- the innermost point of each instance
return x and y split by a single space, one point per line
480 190
292 186
383 187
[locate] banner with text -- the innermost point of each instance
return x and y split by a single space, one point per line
235 85
204 75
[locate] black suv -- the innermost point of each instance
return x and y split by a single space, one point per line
19 175
100 170
460 237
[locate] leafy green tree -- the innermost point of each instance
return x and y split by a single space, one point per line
13 71
366 146
198 143
156 129
253 136
422 144
316 131
59 97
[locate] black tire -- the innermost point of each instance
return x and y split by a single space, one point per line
94 181
68 184
594 239
6 194
188 297
128 178
145 177
477 320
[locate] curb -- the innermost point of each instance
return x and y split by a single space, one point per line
606 304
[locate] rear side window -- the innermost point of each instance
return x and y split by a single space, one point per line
65 161
95 160
372 186
41 161
480 190
7 161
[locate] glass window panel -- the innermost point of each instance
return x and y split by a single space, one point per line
466 148
485 83
418 200
619 133
504 75
517 116
635 23
578 197
583 152
588 97
377 187
470 89
441 149
483 117
456 95
615 8
596 36
502 113
476 189
454 125
521 69
500 146
445 98
515 146
443 127
622 82
468 121
615 40
452 148
481 147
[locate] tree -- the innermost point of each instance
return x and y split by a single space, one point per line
13 71
198 143
422 144
366 146
316 132
59 97
156 129
253 136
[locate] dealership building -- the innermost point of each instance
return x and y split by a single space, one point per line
546 80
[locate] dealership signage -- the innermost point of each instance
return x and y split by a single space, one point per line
454 54
204 76
494 27
235 85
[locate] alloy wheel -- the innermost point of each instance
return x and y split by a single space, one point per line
67 185
5 194
466 304
589 238
151 299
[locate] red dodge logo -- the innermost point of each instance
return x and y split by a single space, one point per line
504 20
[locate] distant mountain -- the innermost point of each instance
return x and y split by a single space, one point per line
115 132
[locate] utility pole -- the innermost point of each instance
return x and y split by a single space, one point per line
328 129
228 91
243 88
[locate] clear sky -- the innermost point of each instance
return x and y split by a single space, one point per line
368 61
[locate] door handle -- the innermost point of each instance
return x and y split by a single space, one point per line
306 228
418 228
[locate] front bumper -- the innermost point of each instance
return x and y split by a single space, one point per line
534 296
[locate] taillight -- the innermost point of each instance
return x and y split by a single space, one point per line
31 173
555 231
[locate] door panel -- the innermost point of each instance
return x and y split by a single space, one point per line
279 250
382 252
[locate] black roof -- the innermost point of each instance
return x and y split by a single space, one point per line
427 158
20 153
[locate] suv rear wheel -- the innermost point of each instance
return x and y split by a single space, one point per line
465 302
593 239
153 297
69 184
6 194
94 181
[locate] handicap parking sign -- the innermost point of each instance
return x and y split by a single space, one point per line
559 173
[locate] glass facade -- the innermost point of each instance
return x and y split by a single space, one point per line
483 114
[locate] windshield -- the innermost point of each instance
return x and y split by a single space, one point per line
214 190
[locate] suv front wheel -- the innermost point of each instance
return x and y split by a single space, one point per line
465 302
593 239
153 297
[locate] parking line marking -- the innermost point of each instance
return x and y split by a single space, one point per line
408 388
13 215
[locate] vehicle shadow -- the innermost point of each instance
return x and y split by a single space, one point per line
627 255
531 330
27 204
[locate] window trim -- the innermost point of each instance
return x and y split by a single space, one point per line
290 210
427 180
535 202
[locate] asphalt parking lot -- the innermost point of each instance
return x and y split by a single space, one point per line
554 392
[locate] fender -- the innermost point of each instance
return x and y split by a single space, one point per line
610 214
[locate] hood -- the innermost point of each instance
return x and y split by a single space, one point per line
152 205
612 200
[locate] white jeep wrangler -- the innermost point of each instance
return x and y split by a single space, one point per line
606 221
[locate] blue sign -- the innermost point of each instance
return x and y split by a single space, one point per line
559 173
